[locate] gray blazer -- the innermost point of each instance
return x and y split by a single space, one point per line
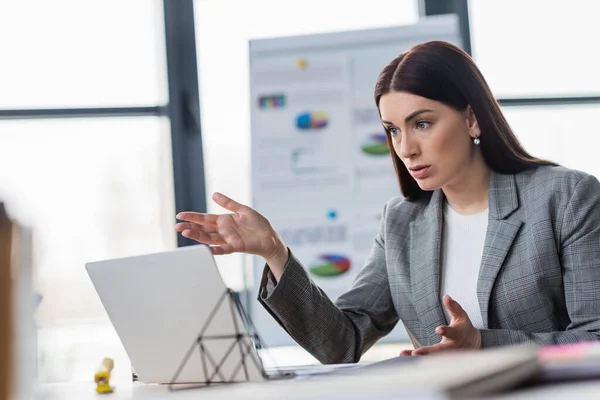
539 279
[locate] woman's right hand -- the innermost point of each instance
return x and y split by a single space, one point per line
245 230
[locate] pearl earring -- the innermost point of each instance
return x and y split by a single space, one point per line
476 141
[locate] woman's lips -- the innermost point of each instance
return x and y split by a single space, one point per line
420 171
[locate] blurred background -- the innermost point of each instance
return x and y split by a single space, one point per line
114 115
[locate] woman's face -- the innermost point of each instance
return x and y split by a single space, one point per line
433 140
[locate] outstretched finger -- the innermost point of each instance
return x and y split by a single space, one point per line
456 311
182 226
228 203
203 237
197 218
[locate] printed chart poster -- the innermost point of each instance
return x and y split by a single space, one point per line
299 128
321 167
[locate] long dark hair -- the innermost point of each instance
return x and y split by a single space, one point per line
443 72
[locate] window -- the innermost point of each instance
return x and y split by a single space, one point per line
563 134
70 54
91 189
536 48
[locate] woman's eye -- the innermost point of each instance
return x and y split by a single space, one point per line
393 131
423 125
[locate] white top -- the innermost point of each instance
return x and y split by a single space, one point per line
462 249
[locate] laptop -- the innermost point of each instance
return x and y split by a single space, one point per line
177 320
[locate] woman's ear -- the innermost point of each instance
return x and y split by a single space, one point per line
472 123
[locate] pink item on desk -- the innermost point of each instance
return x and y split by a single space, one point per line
570 362
570 351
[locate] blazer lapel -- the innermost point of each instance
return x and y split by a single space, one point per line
426 237
501 232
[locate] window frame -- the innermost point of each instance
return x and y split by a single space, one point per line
182 109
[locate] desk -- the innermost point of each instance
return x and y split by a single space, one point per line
279 389
382 384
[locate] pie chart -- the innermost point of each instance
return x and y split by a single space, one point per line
312 120
328 265
375 145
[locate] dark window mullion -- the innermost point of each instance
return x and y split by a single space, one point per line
184 109
458 7
548 101
83 112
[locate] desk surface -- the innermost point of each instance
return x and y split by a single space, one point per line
278 390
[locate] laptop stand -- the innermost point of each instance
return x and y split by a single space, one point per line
241 346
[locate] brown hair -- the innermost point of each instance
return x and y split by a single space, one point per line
443 72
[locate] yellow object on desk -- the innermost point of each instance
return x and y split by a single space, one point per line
102 376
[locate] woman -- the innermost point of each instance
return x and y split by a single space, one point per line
514 239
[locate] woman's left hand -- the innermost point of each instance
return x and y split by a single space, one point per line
460 334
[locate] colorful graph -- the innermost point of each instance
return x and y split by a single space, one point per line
328 265
271 101
375 145
312 120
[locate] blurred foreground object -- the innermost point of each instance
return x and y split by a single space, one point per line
102 376
565 362
18 330
25 302
6 306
